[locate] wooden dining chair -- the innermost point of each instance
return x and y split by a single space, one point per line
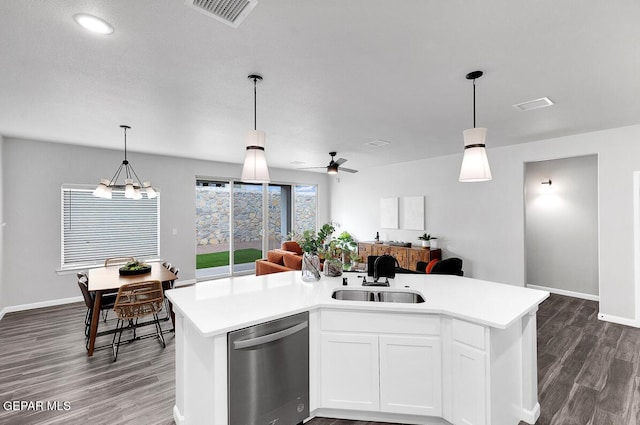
114 261
136 300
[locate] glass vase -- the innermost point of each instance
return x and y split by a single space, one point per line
332 267
310 267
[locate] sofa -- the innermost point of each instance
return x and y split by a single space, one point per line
288 257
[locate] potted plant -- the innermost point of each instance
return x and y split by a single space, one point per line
434 242
311 244
357 263
332 254
426 240
348 246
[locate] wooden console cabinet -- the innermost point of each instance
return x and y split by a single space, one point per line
407 257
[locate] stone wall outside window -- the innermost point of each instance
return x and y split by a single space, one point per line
212 215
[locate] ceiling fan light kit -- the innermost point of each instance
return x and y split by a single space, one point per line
255 168
475 164
132 188
335 166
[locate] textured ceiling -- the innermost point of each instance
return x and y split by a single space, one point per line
337 74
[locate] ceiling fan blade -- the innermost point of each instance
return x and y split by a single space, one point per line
310 168
340 161
347 170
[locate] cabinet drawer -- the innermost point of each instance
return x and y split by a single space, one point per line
468 333
396 323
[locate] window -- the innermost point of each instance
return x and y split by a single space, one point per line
305 207
94 229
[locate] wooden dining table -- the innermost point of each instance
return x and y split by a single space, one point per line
103 279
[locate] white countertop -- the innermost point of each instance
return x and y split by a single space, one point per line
219 306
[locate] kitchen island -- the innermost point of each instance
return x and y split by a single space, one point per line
466 355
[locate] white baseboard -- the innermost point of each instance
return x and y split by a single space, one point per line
181 282
41 304
566 293
177 416
531 416
619 320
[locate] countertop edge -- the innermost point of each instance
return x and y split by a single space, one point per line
361 306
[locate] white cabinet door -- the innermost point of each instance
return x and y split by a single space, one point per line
469 385
410 375
349 371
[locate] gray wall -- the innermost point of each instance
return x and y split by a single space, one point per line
34 172
561 224
483 223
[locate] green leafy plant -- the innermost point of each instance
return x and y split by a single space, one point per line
425 237
313 242
346 242
331 250
134 266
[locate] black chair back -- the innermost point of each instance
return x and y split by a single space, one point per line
88 300
451 266
421 266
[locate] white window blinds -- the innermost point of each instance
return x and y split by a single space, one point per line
94 229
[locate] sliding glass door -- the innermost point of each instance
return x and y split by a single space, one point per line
279 217
247 226
213 226
231 219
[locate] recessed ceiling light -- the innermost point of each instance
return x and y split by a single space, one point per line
297 162
93 23
377 143
543 102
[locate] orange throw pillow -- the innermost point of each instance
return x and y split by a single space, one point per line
430 265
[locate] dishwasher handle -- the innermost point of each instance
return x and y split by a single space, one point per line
252 342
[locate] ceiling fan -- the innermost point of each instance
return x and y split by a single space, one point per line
334 166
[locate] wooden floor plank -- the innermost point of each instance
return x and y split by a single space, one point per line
618 390
579 408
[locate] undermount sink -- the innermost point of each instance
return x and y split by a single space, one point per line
409 297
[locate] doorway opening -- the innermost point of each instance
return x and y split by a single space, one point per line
561 226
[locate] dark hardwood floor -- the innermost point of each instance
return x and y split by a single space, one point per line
588 370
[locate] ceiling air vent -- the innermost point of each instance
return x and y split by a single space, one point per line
543 102
230 12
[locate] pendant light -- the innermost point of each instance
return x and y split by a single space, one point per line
475 165
255 162
132 189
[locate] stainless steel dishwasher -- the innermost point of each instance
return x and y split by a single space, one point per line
268 372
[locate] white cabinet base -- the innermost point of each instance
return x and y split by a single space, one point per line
355 415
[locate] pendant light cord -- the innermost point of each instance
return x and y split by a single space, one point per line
474 103
125 142
255 105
